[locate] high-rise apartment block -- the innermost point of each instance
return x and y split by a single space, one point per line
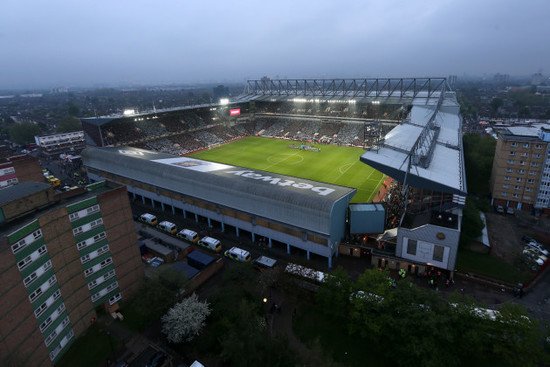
61 259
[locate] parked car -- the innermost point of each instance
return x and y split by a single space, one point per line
499 209
510 210
533 255
538 247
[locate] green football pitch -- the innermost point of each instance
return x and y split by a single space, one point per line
333 164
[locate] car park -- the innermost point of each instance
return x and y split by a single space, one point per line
148 218
210 243
534 256
167 227
538 247
238 254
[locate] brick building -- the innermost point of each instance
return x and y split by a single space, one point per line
519 168
21 168
61 258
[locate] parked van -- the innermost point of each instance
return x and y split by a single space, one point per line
238 254
189 235
211 243
148 218
167 227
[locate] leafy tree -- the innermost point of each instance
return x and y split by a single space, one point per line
24 132
479 152
496 103
185 320
68 124
73 110
472 225
247 341
334 294
156 294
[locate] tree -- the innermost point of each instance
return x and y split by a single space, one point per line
68 124
496 103
24 133
472 225
185 320
335 292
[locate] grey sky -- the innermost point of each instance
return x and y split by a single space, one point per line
85 43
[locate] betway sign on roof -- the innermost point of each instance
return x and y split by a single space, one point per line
260 176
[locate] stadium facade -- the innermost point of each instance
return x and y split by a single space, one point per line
298 213
411 129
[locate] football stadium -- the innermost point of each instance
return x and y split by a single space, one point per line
360 167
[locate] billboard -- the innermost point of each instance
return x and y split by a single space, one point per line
235 112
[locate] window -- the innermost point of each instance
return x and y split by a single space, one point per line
530 181
521 171
37 273
519 179
509 170
514 144
517 187
536 155
528 189
522 163
511 161
526 145
24 242
532 173
507 178
438 253
44 306
29 259
534 164
525 155
411 246
538 146
512 153
503 194
114 299
73 216
505 186
84 259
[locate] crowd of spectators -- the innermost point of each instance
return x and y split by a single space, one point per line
184 132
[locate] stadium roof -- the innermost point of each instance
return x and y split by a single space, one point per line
294 201
426 149
360 90
102 120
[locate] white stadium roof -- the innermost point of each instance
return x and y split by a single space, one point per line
430 141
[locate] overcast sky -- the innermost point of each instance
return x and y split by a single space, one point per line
86 43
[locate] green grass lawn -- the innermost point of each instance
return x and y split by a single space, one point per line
333 164
490 266
90 350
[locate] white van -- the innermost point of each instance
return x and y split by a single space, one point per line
211 243
238 254
148 218
189 235
167 227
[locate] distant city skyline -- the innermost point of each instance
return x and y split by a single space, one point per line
75 44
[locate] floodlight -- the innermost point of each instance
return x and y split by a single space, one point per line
224 101
129 112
